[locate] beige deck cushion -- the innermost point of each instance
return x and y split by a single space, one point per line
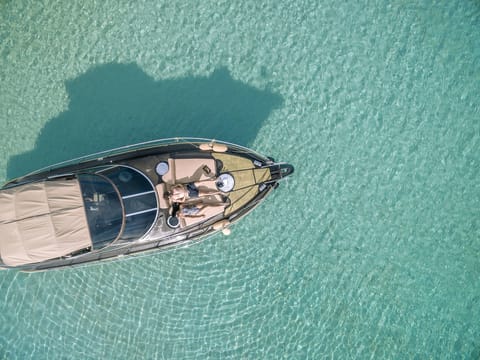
42 221
182 171
208 211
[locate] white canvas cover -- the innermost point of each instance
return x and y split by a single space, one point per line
41 221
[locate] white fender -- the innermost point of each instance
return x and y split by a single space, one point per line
221 225
213 147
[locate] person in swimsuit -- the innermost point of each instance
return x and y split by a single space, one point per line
181 193
196 210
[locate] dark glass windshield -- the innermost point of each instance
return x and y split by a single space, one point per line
103 209
105 193
138 197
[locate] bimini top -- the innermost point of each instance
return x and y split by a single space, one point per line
41 221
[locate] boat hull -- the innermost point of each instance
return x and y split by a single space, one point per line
253 177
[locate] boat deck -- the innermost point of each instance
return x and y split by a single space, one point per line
204 170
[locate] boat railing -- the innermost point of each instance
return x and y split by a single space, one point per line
143 146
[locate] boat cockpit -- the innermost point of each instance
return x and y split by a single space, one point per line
120 203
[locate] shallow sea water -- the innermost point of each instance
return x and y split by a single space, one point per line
371 249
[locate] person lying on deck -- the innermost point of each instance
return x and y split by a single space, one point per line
181 193
196 210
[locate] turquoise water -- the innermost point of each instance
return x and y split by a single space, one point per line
371 250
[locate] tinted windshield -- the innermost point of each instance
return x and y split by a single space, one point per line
138 197
103 209
115 197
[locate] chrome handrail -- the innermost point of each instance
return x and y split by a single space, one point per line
141 146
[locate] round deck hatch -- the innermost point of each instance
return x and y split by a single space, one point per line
162 168
173 222
225 182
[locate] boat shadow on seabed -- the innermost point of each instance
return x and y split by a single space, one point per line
116 104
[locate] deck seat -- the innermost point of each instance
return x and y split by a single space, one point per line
183 171
208 211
